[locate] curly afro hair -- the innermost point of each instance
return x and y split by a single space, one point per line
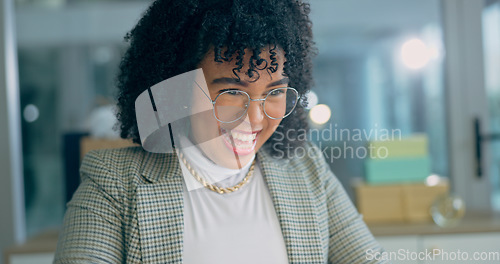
173 37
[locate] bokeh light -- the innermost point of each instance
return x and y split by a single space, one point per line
416 54
312 99
31 113
320 114
432 180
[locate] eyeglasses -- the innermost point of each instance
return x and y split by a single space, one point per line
229 106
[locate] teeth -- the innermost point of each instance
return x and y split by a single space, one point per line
241 140
243 137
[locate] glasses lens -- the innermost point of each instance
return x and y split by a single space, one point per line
280 102
231 105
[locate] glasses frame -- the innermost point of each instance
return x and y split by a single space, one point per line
262 100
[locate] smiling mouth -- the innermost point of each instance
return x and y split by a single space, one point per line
240 142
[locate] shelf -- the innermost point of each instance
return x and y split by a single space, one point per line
472 223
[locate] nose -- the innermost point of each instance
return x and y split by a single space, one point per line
255 112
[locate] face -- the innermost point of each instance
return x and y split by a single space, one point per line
232 145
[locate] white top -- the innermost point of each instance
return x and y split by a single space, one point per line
239 227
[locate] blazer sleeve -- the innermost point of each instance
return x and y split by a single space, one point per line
92 228
350 240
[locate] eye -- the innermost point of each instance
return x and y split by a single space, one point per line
233 92
276 92
230 91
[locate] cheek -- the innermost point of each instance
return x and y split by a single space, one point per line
272 125
204 127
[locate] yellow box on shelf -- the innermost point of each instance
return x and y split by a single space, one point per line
418 199
412 146
380 204
397 203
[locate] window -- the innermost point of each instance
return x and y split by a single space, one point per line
361 75
68 63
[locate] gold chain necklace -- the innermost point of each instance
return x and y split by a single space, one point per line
215 188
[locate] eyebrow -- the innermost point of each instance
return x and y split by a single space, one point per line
226 80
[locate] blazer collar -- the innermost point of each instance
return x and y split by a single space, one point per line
161 219
160 166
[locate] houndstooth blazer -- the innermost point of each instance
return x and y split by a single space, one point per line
129 209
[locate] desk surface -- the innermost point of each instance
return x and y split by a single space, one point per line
472 223
44 242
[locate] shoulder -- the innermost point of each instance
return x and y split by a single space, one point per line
310 157
125 165
105 162
307 158
111 159
312 162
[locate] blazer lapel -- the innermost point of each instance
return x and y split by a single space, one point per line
160 210
295 208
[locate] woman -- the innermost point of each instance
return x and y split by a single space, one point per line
232 192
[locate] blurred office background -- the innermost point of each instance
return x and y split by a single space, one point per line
426 67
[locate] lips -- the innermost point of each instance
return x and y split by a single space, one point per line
240 142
